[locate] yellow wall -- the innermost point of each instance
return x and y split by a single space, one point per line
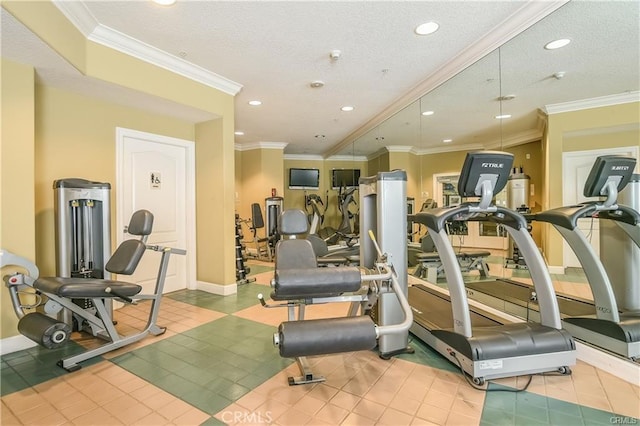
260 170
411 164
562 129
17 227
74 136
294 198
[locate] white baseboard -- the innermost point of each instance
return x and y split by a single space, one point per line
558 270
222 290
622 369
15 343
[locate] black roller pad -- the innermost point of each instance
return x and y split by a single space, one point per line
326 336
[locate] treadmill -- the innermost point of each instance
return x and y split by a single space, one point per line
608 328
490 351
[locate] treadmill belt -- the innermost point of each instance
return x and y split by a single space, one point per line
432 310
520 294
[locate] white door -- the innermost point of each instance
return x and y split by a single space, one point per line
156 173
575 170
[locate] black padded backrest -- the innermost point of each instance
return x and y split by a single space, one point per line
295 254
126 257
141 223
606 168
494 166
319 245
293 222
257 221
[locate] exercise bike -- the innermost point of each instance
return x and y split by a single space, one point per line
59 294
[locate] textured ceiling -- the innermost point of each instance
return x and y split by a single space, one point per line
275 49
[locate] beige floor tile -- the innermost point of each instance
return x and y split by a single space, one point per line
439 399
345 400
24 400
369 409
293 417
406 405
394 417
273 408
433 413
323 392
36 414
332 414
81 406
417 421
98 417
354 419
153 419
310 405
252 400
192 417
127 409
174 409
456 419
598 402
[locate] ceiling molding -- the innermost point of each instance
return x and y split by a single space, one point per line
347 158
531 12
451 148
531 135
260 145
80 16
399 148
602 101
305 157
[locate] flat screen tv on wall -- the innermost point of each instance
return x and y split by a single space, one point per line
304 178
344 178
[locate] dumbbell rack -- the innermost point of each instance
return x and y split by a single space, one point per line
241 270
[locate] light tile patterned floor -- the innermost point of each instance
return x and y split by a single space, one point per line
215 365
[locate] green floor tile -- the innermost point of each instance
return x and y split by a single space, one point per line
246 296
496 417
425 355
36 365
559 418
242 358
212 421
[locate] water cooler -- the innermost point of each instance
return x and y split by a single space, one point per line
620 256
82 231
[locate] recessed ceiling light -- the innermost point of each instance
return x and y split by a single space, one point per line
255 103
347 108
427 113
320 136
556 44
316 84
165 2
427 28
500 117
238 133
447 140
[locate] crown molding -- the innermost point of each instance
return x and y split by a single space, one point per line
399 148
305 157
629 127
601 101
80 16
347 158
259 145
519 138
531 12
451 148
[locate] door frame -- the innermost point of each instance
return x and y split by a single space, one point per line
190 190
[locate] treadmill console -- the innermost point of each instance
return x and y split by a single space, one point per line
607 168
484 165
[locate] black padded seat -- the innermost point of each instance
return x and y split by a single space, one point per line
435 256
315 282
85 287
507 341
